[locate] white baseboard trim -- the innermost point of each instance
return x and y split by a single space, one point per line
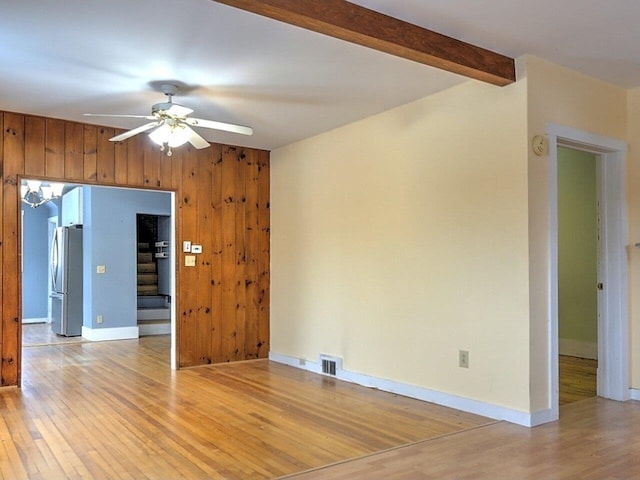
105 334
577 348
635 393
35 320
421 393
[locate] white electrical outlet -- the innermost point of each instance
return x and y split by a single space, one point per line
99 319
463 358
101 269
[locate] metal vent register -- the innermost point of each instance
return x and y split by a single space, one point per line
328 366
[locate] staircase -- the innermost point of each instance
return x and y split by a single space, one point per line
154 314
147 271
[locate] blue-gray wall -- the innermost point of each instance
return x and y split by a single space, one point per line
110 239
35 262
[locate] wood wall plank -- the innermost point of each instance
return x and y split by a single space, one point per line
187 340
34 150
165 170
135 160
240 254
90 153
203 237
228 330
120 160
105 156
2 134
151 167
216 259
13 165
54 148
252 243
263 254
177 168
73 151
221 202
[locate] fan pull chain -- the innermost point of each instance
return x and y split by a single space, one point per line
165 146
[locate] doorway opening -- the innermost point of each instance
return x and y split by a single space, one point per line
578 238
612 296
153 289
107 217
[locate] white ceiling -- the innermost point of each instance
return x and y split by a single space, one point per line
64 58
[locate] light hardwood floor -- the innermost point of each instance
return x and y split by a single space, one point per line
578 379
594 439
114 410
38 334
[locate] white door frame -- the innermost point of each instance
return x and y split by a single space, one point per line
613 324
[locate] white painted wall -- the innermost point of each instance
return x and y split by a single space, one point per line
563 97
400 239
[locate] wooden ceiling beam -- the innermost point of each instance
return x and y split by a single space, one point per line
360 25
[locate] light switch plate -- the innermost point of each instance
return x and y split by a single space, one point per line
189 260
196 248
186 246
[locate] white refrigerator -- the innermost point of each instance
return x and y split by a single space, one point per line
66 281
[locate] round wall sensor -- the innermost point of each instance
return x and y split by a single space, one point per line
539 145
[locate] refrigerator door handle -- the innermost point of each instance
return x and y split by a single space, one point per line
53 260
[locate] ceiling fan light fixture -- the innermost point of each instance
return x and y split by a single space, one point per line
170 135
171 126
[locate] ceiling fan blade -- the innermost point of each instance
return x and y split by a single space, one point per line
227 127
178 110
135 131
148 117
195 139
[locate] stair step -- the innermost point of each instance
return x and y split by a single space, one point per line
152 302
146 268
155 322
147 290
154 328
145 257
147 279
154 315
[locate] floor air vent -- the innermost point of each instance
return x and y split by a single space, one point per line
328 366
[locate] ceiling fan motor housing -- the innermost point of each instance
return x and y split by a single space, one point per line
161 107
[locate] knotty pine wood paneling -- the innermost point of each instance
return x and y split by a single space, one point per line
222 202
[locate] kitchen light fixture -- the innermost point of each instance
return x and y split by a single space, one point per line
35 192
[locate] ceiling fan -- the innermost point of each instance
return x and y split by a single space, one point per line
171 125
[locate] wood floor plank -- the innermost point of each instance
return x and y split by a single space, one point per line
594 439
115 410
578 378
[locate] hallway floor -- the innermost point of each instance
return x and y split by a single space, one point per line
39 334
